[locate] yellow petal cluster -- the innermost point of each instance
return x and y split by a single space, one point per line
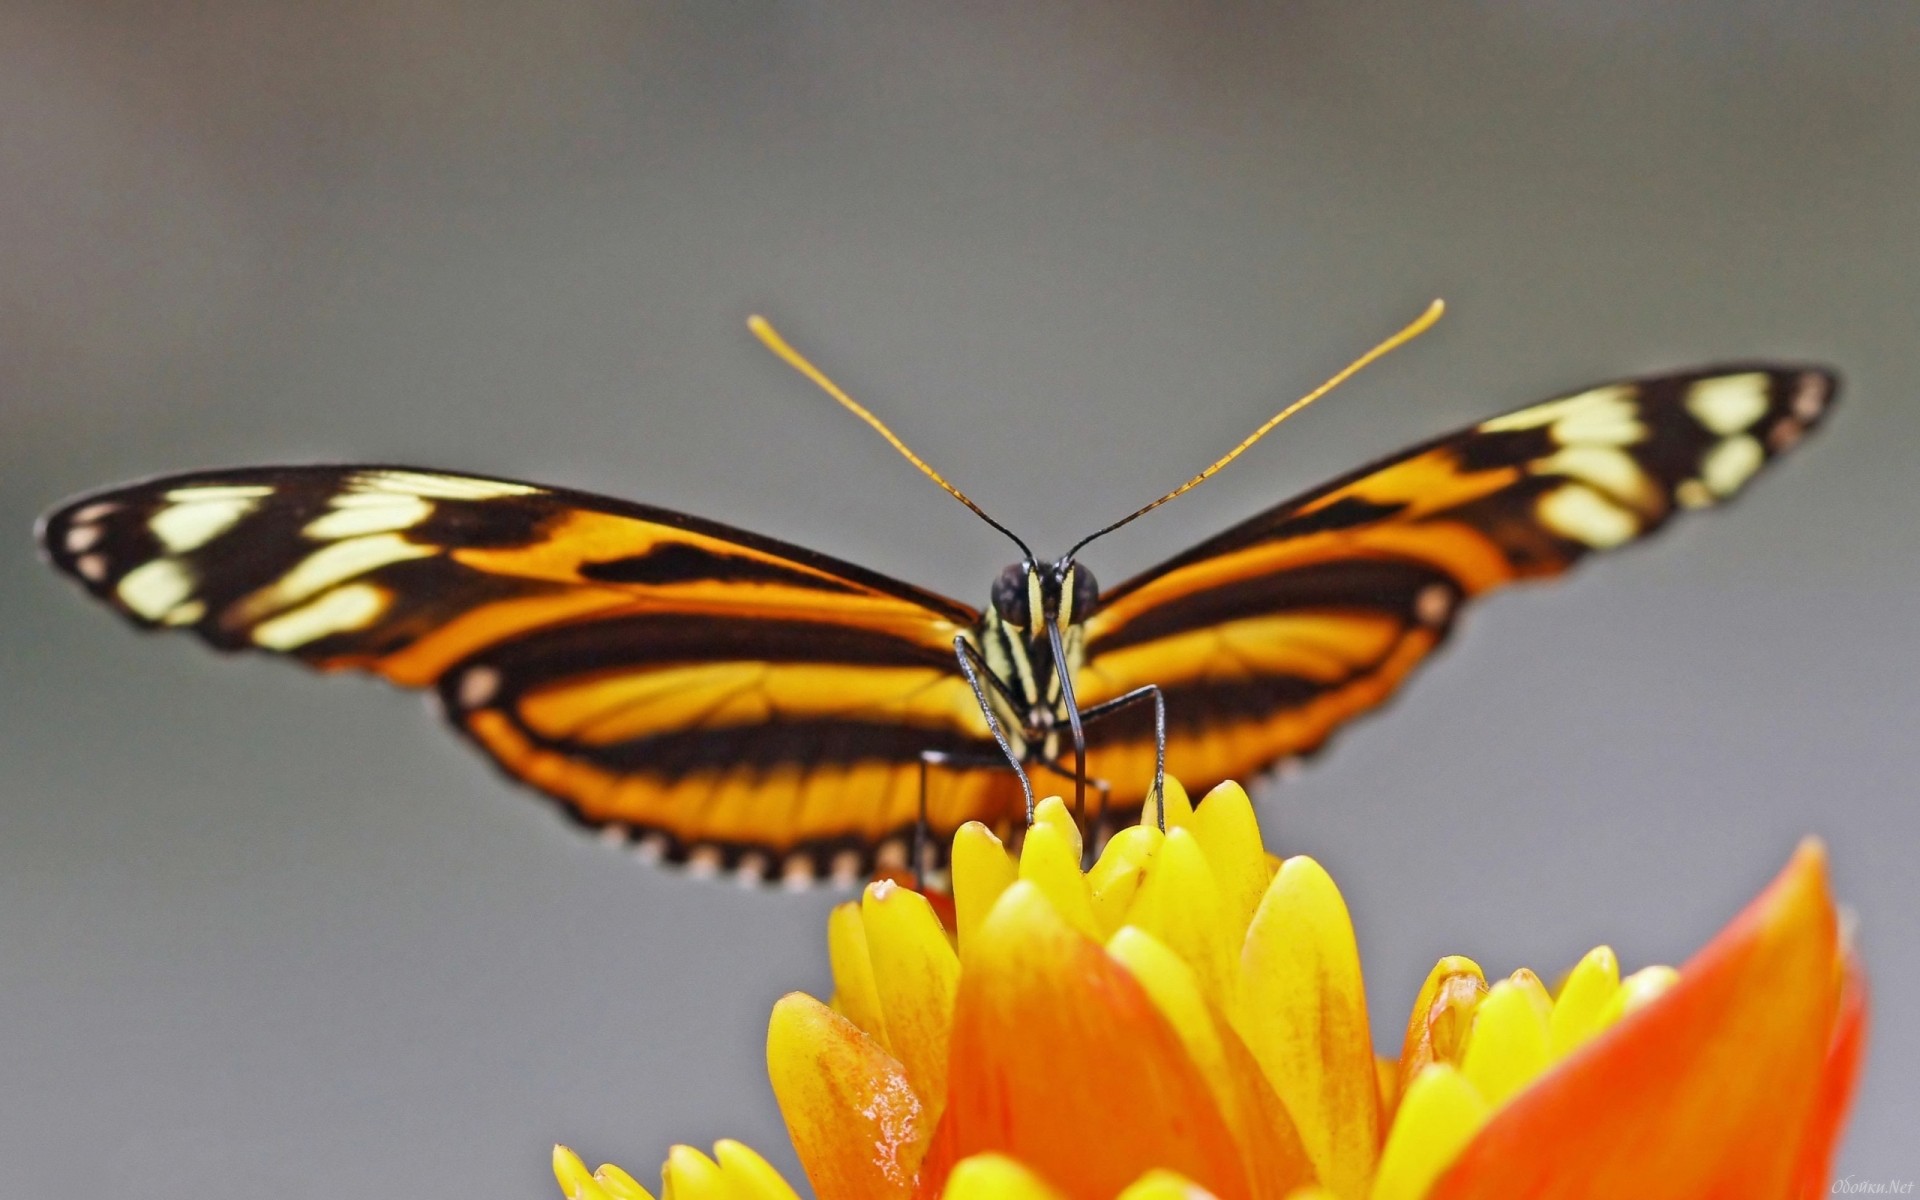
1188 1018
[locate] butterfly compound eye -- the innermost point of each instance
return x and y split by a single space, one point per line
1010 596
1086 593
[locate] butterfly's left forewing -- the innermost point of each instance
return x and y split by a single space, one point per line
1268 637
722 697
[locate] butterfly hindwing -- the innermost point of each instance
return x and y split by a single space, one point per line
1269 636
720 696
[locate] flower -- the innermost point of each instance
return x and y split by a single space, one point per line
1187 1019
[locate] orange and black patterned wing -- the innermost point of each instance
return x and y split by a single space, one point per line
723 698
1273 634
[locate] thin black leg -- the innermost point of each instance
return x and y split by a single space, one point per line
972 666
1108 708
922 829
1073 722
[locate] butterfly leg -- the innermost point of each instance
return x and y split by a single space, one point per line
974 668
1074 723
1157 797
1103 790
923 829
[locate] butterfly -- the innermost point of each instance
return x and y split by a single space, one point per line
732 702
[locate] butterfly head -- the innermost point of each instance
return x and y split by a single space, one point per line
1029 596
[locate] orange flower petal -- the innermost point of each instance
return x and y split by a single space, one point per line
1303 1012
1061 1060
1703 1092
855 1122
1837 1080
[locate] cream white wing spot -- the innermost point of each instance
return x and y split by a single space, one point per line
704 861
1691 493
82 538
1729 403
343 610
797 872
1785 435
891 855
1581 514
92 567
1608 468
99 510
1730 463
1605 416
651 848
357 514
1433 605
477 686
194 516
329 566
845 869
436 487
1810 396
155 588
751 870
614 833
185 614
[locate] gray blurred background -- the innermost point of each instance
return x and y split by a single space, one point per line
261 932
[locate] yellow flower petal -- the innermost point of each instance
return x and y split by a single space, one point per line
856 995
1507 1049
1262 1128
1164 1185
1180 905
1637 991
1583 1000
1052 812
1116 878
995 1177
1303 1013
1535 991
691 1175
749 1176
1179 809
619 1184
855 1120
1050 860
916 989
1229 833
1438 1115
1441 1017
982 870
578 1183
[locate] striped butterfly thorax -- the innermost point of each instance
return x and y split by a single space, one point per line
737 703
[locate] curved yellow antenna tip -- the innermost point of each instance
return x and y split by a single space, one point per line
1418 326
770 337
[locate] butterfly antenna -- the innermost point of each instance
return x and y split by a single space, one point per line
770 336
1419 326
